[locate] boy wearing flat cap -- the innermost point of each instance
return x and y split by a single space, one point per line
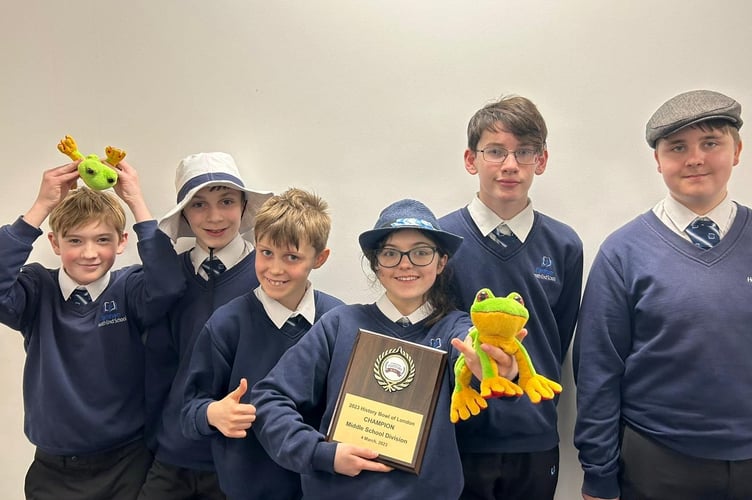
662 351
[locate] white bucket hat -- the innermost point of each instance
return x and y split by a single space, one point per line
209 169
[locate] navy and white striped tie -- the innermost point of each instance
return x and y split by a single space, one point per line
213 267
80 297
704 233
504 237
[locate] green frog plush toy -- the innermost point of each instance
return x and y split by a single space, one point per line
94 172
497 321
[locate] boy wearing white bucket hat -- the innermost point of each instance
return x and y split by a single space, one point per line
216 208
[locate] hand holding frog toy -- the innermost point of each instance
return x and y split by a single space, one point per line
94 172
496 321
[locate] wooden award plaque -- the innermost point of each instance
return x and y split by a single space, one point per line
388 398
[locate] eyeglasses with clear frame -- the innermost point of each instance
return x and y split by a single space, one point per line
418 256
496 154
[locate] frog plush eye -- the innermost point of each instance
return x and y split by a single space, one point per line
482 295
518 298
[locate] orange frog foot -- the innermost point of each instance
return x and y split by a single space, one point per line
466 402
539 387
114 155
499 386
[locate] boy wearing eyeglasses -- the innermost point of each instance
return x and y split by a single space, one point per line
511 450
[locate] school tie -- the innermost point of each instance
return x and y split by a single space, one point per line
80 297
504 237
704 233
404 322
296 320
213 267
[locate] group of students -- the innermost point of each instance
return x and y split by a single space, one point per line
215 373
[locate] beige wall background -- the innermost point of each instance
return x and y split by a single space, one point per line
364 102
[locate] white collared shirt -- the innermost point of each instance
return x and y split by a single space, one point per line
279 314
230 255
390 311
95 288
487 220
677 217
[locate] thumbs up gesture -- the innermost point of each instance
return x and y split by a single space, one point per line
231 417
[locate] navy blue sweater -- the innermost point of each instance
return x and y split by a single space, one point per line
664 343
84 373
168 350
547 271
240 341
310 375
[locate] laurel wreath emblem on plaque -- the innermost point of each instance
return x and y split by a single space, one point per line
394 369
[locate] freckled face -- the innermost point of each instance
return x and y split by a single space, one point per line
87 252
406 285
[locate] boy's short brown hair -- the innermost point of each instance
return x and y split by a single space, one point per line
294 216
82 206
723 126
517 115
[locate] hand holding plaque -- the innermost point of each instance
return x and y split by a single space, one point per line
388 398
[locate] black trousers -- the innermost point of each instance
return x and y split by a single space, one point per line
650 471
113 475
511 476
168 482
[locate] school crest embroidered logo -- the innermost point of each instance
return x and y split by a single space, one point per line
545 271
110 314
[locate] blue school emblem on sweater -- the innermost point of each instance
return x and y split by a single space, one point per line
545 271
394 369
110 314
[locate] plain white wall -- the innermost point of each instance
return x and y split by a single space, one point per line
364 102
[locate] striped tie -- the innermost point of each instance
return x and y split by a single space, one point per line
504 237
213 267
80 297
704 233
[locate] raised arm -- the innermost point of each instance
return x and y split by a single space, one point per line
128 189
56 182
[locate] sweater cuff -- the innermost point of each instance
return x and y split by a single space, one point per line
599 486
145 229
323 456
202 420
25 231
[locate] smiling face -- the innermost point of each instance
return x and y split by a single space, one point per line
88 251
503 186
696 165
214 214
283 270
407 285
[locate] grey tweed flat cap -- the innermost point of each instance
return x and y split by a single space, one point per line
689 108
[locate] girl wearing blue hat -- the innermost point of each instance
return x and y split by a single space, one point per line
408 252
